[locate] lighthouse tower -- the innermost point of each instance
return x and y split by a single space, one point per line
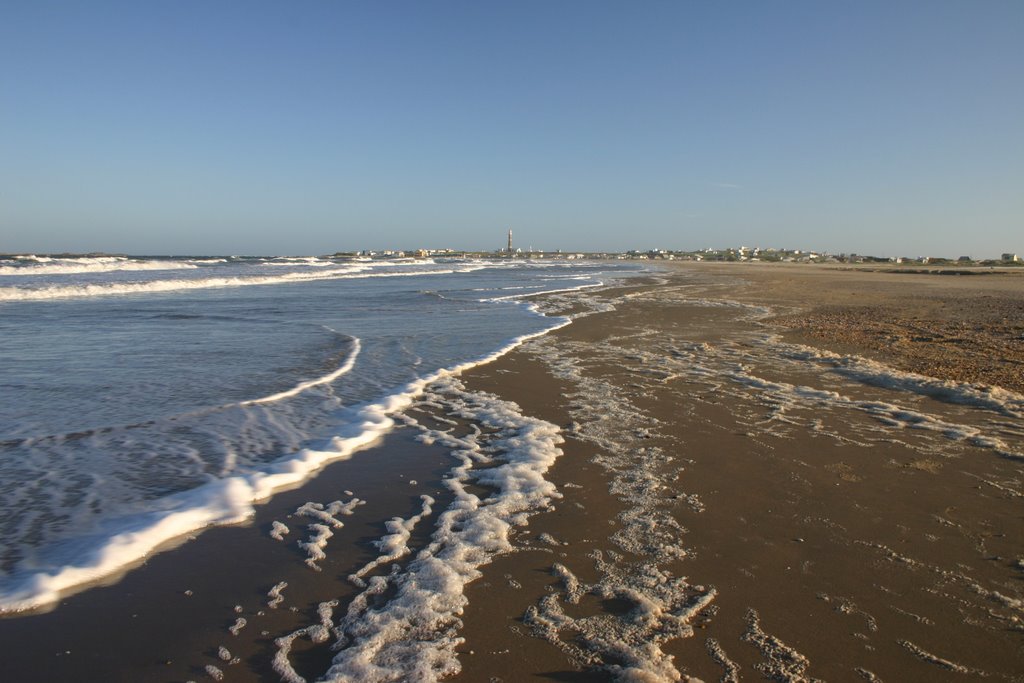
510 241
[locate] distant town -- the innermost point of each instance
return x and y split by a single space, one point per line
728 254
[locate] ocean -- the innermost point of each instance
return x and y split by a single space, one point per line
145 398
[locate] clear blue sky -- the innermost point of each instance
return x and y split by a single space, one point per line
893 128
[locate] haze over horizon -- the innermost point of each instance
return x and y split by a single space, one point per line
879 128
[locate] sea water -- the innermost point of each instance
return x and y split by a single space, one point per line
145 398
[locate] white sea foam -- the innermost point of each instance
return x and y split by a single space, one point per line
413 636
662 607
317 633
237 627
328 514
278 531
291 262
730 669
996 399
323 530
275 595
889 414
941 662
781 662
314 547
105 264
184 284
395 544
345 368
520 296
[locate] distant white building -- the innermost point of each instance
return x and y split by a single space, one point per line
1011 257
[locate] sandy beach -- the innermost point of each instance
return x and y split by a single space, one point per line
763 472
835 519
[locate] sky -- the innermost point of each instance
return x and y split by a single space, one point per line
891 128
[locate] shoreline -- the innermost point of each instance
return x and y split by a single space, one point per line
668 468
232 501
150 574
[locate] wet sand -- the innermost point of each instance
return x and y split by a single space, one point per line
838 543
167 619
737 502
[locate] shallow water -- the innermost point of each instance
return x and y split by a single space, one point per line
166 392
